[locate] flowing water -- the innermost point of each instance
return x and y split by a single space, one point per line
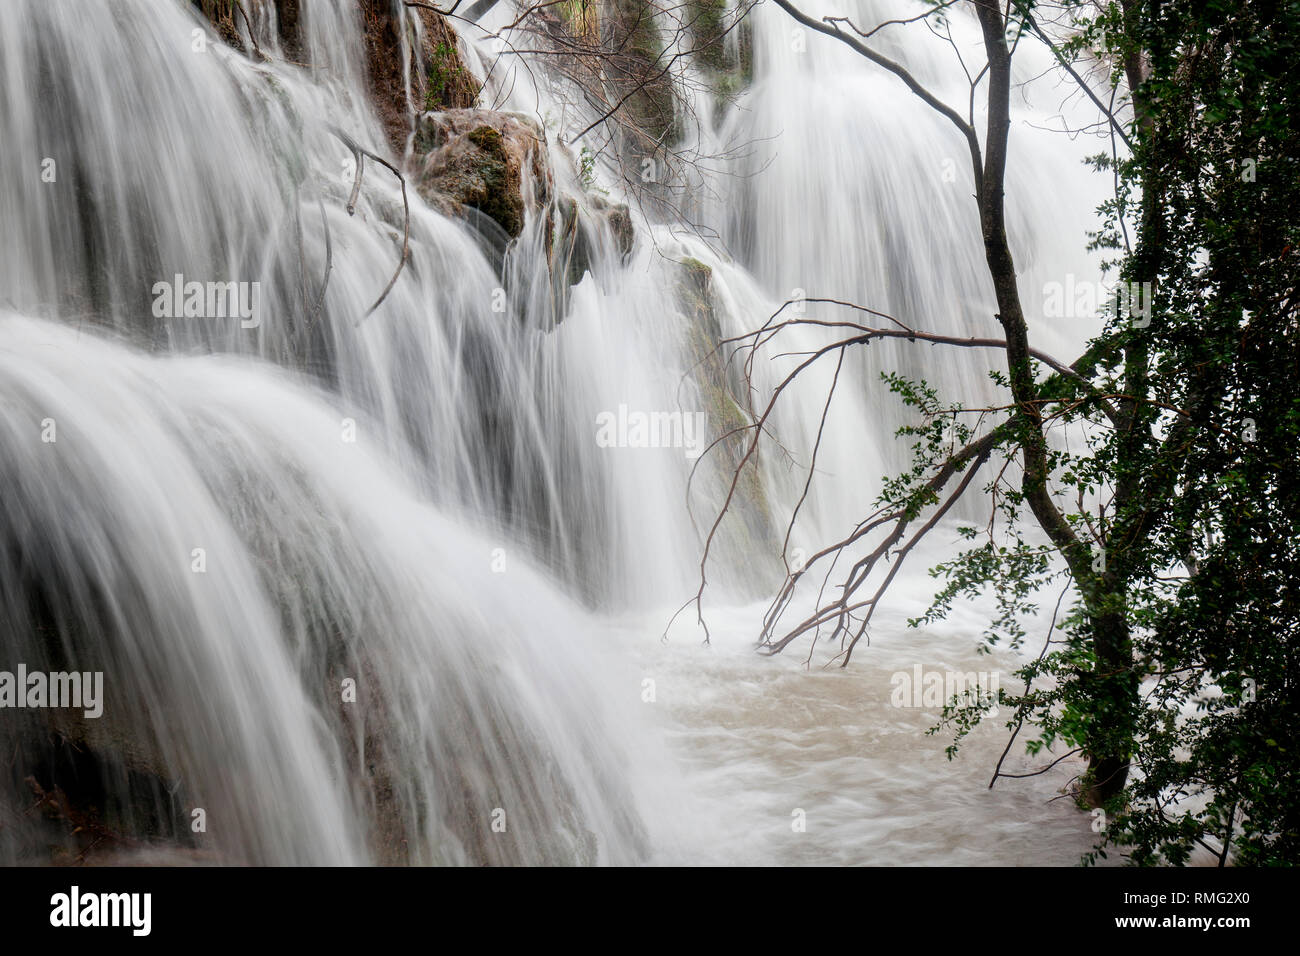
238 520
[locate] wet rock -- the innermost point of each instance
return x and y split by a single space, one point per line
722 391
439 77
571 252
619 219
493 162
636 62
288 15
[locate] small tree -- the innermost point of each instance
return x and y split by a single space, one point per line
1165 407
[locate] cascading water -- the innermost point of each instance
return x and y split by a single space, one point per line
209 535
235 520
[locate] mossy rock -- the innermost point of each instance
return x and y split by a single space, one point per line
724 48
708 24
480 159
719 389
570 244
448 83
698 277
636 58
439 77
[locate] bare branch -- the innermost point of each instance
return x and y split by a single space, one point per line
358 153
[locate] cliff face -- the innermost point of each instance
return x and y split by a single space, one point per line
493 162
412 66
430 55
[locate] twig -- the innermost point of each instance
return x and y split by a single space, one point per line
329 261
252 35
358 153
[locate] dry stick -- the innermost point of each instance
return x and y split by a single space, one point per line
812 463
877 519
901 555
359 152
903 332
251 34
823 614
767 331
473 14
812 470
1035 773
430 6
329 262
735 480
944 475
862 570
748 369
980 449
832 29
1116 128
356 181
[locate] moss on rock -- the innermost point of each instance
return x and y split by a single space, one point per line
439 77
718 392
637 58
480 159
447 82
724 47
708 22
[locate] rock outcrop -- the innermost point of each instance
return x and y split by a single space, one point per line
439 77
493 162
637 67
722 391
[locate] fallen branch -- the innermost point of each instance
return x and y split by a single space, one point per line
252 35
314 314
359 153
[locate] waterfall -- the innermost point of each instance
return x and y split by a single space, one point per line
229 518
352 576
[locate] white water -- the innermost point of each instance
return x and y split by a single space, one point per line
494 581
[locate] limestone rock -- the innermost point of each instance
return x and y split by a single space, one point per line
493 162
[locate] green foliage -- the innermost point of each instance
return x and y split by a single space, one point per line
587 169
1214 570
1179 653
444 72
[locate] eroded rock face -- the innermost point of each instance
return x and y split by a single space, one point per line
637 60
493 162
439 77
723 394
570 250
